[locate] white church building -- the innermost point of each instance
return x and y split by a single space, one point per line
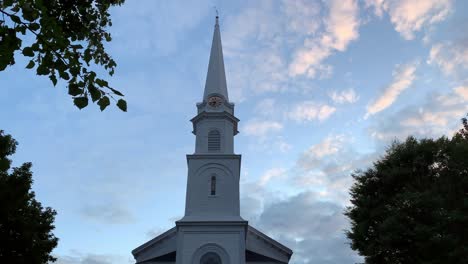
212 230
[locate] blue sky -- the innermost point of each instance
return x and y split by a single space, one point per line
321 89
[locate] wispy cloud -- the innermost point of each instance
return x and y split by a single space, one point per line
439 115
271 174
310 110
257 37
451 58
344 96
79 258
462 91
340 28
261 128
110 213
411 16
403 77
328 146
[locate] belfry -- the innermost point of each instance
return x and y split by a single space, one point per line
212 230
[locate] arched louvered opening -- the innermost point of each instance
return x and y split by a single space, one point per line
210 258
214 141
213 185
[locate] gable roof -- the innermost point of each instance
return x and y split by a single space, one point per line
159 246
264 245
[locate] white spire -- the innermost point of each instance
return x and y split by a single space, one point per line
216 77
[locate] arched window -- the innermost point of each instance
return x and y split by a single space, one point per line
214 140
213 185
210 258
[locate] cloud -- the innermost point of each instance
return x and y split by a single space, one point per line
310 110
266 107
344 96
256 40
151 28
283 145
451 58
271 174
92 259
312 227
326 167
311 221
301 111
252 47
403 77
329 146
342 24
410 16
462 91
439 115
302 16
259 128
110 213
340 28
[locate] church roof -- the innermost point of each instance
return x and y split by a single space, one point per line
159 246
216 77
253 238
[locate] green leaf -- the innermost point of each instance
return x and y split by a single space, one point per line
64 75
95 93
34 26
87 55
15 19
76 46
103 102
116 92
81 102
102 83
28 52
53 78
74 90
16 8
42 70
30 64
3 65
35 46
122 104
21 28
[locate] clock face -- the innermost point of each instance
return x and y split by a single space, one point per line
215 101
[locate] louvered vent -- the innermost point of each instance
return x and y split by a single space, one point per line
214 140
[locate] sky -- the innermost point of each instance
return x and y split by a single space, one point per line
322 88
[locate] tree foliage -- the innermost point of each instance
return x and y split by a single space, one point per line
63 39
25 226
412 205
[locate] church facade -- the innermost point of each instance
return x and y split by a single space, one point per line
212 230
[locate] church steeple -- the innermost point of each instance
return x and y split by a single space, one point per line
216 77
212 229
215 124
214 169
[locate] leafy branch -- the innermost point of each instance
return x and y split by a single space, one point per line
61 28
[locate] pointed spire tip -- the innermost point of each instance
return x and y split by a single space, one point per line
216 76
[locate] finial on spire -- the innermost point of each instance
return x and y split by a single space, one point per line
217 16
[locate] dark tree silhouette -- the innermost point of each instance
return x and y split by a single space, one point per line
25 226
68 39
412 205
